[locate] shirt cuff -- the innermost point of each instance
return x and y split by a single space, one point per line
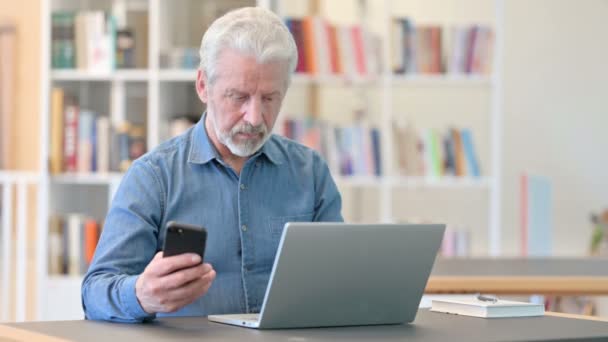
130 301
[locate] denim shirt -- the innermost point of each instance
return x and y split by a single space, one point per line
185 180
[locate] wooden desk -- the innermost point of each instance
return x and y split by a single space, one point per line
546 276
428 327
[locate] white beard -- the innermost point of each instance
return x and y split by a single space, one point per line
246 148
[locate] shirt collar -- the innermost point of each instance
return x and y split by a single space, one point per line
202 150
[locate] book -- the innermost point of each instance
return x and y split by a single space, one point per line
55 245
328 49
536 215
423 48
73 239
57 127
487 309
62 40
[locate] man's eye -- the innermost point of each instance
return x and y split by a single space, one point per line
267 99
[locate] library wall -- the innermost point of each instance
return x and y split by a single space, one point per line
555 104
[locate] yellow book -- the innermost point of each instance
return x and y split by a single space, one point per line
56 153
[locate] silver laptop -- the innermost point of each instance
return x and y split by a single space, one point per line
337 274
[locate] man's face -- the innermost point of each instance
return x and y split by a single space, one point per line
244 101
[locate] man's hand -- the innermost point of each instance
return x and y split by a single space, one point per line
168 284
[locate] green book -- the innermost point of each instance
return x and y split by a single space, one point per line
62 40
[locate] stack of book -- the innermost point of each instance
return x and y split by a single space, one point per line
426 49
93 41
72 242
85 141
433 154
456 243
352 150
327 49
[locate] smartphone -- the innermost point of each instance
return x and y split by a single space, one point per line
184 238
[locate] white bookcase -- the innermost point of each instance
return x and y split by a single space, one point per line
158 92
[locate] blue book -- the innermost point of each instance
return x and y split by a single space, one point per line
375 133
537 215
469 152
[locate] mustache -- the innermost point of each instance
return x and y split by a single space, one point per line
248 128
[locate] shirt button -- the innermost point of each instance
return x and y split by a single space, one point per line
242 186
244 227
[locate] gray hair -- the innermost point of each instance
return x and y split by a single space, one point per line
251 30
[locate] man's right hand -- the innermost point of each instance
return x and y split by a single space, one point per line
169 284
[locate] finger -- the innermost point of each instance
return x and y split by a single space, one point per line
158 255
207 268
183 276
163 266
188 294
193 290
180 303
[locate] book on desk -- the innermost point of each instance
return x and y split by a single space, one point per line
487 309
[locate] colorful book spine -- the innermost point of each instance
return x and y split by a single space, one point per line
57 129
70 138
73 239
62 40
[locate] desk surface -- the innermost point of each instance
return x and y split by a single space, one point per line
559 276
428 326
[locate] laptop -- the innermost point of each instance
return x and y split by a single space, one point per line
338 274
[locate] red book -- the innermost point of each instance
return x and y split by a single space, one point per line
308 30
435 32
471 42
334 56
70 138
358 44
91 237
295 26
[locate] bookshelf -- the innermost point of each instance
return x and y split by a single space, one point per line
424 97
153 92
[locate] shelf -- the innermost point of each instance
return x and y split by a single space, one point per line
441 183
64 279
338 80
87 178
18 176
415 182
441 80
177 75
85 75
189 75
359 181
397 80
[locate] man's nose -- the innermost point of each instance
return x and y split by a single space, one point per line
253 111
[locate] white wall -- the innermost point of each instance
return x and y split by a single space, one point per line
556 113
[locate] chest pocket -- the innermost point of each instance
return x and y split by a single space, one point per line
277 223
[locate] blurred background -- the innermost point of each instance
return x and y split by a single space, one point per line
486 115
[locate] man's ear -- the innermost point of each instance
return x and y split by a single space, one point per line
202 86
